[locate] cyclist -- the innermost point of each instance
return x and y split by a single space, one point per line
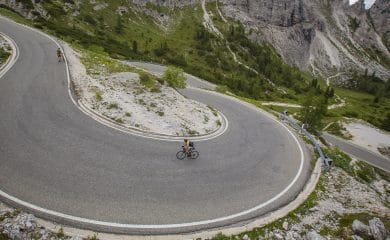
59 54
188 145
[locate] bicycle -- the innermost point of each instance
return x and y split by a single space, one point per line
192 153
59 55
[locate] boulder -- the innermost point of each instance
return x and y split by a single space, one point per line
313 235
245 237
356 237
360 228
285 225
377 229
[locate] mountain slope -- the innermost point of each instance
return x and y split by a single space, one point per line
324 37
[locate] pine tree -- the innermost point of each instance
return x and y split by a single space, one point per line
135 46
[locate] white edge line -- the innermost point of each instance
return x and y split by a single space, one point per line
14 55
136 226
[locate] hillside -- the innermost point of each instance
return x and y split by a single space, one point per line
269 50
323 37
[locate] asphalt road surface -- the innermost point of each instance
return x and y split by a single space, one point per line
359 152
54 156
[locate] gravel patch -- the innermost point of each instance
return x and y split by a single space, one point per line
122 98
368 136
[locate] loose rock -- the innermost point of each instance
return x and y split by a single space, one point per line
313 235
360 228
377 228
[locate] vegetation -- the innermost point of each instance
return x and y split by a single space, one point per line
3 55
371 84
353 23
360 170
188 45
337 129
313 111
175 77
60 233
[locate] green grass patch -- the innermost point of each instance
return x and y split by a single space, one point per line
336 128
361 105
360 170
4 55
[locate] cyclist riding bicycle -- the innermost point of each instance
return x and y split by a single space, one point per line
188 150
59 54
188 145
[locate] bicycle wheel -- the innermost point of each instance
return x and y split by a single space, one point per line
180 155
194 154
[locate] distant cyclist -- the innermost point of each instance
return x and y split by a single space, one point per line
188 145
188 150
59 54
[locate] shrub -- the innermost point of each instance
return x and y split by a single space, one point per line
175 77
351 114
113 105
98 96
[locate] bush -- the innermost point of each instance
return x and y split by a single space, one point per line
351 114
175 77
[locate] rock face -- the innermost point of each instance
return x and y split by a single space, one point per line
324 37
377 228
379 13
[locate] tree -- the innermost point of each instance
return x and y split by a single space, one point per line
386 122
135 47
175 77
313 110
119 25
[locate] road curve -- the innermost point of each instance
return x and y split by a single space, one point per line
359 152
55 157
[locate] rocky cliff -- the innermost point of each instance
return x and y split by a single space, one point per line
326 37
322 36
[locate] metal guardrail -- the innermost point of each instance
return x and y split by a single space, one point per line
325 159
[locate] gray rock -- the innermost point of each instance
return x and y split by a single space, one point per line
245 237
377 229
285 225
360 228
76 238
356 237
313 235
279 236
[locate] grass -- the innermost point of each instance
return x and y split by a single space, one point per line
113 106
149 81
361 105
98 96
60 233
213 110
336 128
360 170
344 225
95 60
4 55
3 237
